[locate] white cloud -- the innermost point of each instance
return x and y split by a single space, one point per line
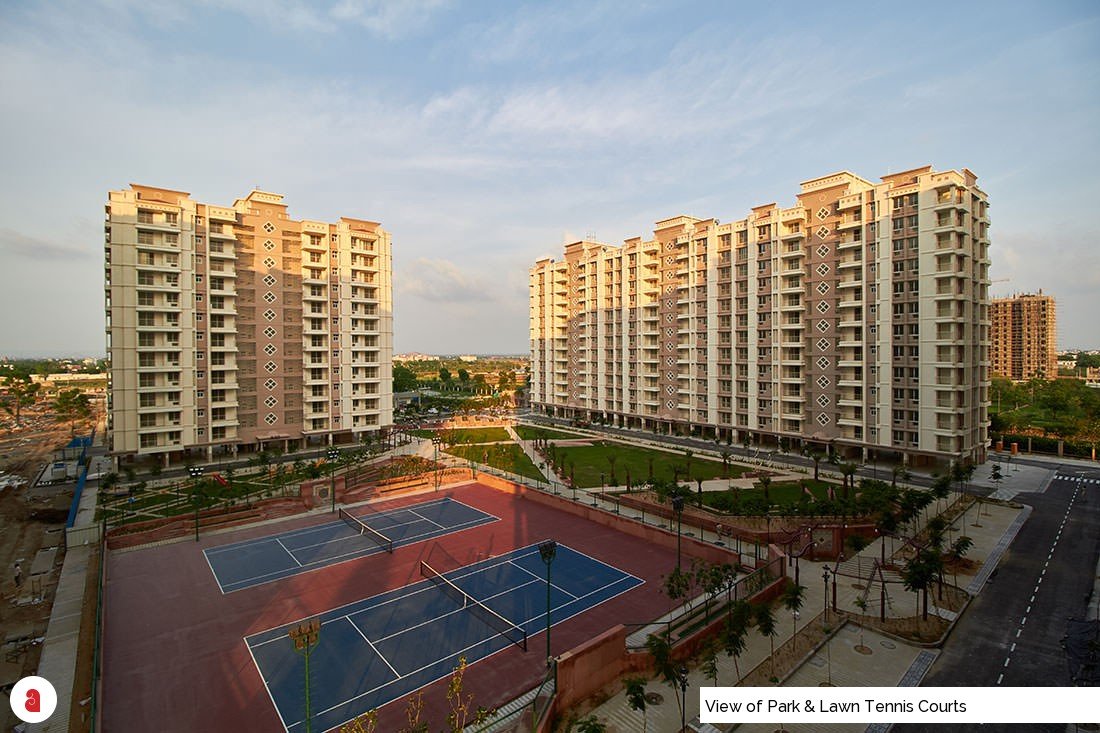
388 18
441 281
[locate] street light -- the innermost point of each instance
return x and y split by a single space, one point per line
305 637
333 455
825 577
682 678
547 551
195 472
435 446
678 507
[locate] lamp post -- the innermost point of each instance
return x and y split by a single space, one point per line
678 507
547 551
305 637
333 455
682 678
195 472
435 447
825 577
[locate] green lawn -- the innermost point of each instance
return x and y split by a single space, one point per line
476 435
782 492
530 432
505 456
589 462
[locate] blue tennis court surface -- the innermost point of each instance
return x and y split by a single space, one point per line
264 559
382 648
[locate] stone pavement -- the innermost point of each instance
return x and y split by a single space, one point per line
890 662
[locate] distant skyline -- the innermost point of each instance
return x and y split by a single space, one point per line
484 135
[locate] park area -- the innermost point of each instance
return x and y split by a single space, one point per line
198 639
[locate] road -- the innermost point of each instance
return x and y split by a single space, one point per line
1011 633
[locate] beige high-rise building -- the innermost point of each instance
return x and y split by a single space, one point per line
1024 336
858 317
238 327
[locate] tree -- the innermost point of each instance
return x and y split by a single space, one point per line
710 661
765 624
460 704
898 472
737 627
591 724
444 375
765 483
920 572
792 599
20 393
635 698
463 375
506 380
404 379
848 469
816 456
995 475
664 666
72 405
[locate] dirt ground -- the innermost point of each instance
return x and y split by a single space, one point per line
30 519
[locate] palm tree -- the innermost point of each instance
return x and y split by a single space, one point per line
898 472
792 599
737 627
765 483
849 470
635 698
765 624
816 456
664 666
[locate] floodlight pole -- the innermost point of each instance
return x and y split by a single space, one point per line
333 455
195 472
305 637
548 551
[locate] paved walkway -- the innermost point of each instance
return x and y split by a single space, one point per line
890 661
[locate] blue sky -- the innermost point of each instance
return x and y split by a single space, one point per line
484 134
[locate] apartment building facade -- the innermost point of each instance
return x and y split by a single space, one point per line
1024 337
857 318
239 328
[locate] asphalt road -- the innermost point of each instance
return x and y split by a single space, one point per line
1011 633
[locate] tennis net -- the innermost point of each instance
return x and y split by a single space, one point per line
504 627
366 530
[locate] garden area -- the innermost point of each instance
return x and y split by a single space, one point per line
605 463
125 499
535 432
504 456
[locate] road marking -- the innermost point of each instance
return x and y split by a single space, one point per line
1006 661
1000 677
1018 633
1023 621
1013 648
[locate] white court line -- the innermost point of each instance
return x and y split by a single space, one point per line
623 576
372 646
288 552
552 585
425 583
344 539
261 673
372 550
425 518
317 528
433 619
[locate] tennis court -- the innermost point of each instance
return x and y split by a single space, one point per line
378 649
265 559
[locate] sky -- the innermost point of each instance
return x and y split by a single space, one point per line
483 135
